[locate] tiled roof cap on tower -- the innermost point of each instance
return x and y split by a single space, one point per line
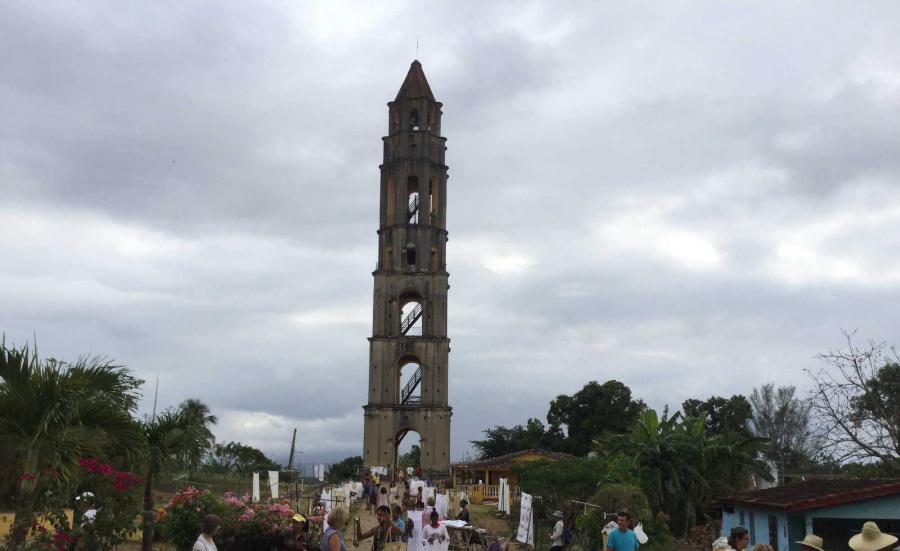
415 85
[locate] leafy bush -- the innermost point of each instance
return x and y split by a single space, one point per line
246 526
182 517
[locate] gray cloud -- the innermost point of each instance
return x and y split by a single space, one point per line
691 199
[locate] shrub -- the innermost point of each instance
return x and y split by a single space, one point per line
182 517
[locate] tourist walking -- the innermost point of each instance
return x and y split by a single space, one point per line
622 538
205 540
397 520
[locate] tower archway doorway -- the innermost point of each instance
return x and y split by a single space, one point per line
407 450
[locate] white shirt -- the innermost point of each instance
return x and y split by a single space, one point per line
556 536
433 537
202 545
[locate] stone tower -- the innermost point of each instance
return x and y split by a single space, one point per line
409 348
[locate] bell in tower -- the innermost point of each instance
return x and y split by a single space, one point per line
409 348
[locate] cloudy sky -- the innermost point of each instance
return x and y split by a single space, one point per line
692 198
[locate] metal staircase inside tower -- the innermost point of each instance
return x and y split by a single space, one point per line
413 208
410 319
406 397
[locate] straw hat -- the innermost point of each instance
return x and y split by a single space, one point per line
298 518
813 541
871 538
558 514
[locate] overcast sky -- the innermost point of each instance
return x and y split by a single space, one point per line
692 198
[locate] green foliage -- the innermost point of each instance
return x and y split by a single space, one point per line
183 516
783 420
681 468
574 421
345 469
722 414
251 526
558 481
502 440
238 458
117 498
173 437
52 413
413 458
613 498
590 412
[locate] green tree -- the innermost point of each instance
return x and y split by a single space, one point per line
593 410
722 414
413 458
855 403
502 440
681 468
345 469
52 413
173 437
783 420
238 458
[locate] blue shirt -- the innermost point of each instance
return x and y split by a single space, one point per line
622 541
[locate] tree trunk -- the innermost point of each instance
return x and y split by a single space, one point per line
148 524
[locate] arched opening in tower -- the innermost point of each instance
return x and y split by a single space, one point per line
409 381
408 450
411 318
413 201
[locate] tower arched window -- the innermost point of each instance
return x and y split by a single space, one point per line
411 255
412 311
414 120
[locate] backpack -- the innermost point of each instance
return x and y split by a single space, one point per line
568 536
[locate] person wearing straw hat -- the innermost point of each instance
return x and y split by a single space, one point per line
871 539
811 542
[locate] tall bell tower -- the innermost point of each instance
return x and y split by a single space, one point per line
409 348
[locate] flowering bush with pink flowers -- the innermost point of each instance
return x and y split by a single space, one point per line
246 526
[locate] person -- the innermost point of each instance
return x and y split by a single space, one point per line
85 503
766 547
426 513
205 540
463 511
739 538
434 532
294 537
622 538
556 537
810 542
382 532
397 520
419 503
331 539
871 539
720 544
383 500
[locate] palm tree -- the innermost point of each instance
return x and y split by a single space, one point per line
173 438
53 413
199 412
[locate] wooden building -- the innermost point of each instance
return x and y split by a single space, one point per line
480 479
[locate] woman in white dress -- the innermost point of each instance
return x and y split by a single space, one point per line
205 541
